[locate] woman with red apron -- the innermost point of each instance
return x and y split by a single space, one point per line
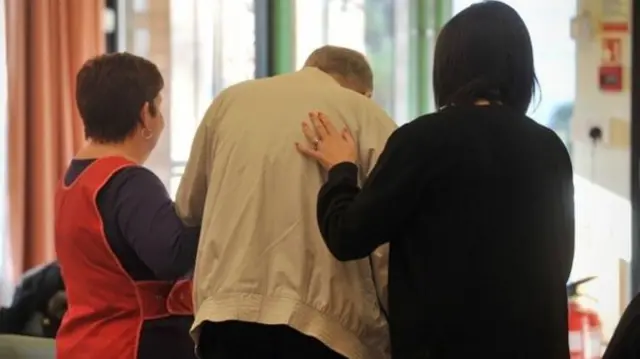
124 254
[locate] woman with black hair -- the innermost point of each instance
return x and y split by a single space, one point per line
476 201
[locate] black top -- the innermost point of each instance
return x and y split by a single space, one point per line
32 298
477 204
625 341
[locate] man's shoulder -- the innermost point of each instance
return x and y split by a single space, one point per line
370 113
241 87
255 87
224 98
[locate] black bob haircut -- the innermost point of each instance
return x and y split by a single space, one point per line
485 52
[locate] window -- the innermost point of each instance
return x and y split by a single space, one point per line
379 28
201 47
209 52
191 79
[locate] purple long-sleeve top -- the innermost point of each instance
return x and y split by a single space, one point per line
141 224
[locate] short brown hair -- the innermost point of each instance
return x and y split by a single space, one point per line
111 90
349 64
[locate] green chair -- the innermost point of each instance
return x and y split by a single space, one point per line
24 347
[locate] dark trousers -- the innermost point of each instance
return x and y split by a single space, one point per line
242 340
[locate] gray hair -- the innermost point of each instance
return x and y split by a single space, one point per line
350 66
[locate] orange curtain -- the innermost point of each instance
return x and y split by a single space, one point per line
47 43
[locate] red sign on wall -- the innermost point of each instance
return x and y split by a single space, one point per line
615 15
610 78
615 27
611 51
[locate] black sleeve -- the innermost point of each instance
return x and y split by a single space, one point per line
355 222
12 320
26 302
566 214
625 341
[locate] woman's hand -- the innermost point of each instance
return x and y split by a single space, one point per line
325 143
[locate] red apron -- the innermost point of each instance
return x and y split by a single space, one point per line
106 308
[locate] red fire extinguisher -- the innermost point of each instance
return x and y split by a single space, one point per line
585 327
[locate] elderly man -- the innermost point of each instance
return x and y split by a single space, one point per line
265 284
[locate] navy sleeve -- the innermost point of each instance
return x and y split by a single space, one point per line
148 221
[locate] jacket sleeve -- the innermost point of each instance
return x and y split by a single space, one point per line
566 211
355 222
380 269
371 140
192 192
373 133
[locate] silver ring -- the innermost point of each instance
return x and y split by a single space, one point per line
315 143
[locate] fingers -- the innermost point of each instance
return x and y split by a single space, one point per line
326 123
347 136
309 152
310 134
321 130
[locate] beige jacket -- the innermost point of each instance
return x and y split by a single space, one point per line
261 257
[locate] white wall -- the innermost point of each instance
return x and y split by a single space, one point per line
602 172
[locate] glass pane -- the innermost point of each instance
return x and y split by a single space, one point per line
238 43
174 183
208 53
177 170
379 28
184 76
